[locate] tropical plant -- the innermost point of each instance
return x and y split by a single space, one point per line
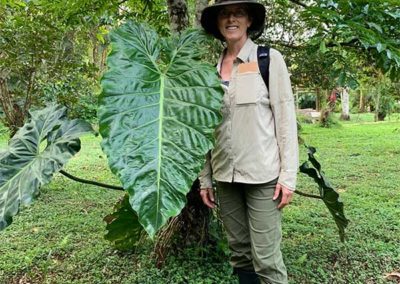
142 113
174 100
37 151
123 228
158 110
327 193
157 123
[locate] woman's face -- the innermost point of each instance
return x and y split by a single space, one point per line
233 22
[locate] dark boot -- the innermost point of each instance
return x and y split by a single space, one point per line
246 276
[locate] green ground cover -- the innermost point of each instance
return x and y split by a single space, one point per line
59 239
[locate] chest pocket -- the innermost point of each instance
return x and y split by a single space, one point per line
247 84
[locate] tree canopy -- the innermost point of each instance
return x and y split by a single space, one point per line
332 41
55 50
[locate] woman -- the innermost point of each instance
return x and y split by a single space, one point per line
255 158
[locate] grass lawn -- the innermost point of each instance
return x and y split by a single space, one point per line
59 239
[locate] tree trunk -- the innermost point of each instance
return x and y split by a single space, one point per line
331 99
377 104
13 113
362 101
99 51
178 15
345 104
200 5
104 52
318 99
29 91
190 227
95 49
296 95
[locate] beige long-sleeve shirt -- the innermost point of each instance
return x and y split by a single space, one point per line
257 139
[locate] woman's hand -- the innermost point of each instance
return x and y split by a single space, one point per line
207 195
286 195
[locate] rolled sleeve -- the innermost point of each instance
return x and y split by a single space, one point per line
283 108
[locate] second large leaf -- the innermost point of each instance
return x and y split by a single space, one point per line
158 110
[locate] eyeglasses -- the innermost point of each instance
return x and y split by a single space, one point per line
239 13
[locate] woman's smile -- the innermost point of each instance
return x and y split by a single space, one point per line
233 22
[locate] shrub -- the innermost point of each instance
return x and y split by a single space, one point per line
301 118
328 120
307 101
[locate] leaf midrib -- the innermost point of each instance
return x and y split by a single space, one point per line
161 115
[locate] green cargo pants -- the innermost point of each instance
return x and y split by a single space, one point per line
253 226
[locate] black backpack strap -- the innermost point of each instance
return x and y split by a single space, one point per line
263 63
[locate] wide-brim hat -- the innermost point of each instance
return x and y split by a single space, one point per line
256 11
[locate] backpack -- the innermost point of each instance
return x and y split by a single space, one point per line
263 63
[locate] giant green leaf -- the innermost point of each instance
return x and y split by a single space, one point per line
158 110
328 194
123 228
28 163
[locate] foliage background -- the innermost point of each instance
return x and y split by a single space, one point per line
55 50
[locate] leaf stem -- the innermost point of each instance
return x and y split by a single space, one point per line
90 181
308 195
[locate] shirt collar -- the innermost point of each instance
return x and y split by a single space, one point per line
246 50
244 53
